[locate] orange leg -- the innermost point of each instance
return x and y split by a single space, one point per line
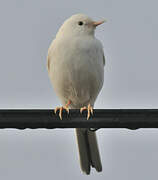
61 109
89 109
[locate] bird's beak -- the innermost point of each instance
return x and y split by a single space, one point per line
96 23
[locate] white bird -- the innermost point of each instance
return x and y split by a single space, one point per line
75 64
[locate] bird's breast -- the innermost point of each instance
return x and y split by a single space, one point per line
77 73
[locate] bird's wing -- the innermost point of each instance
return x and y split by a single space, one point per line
103 59
49 56
48 62
102 50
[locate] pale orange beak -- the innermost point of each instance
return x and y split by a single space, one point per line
96 23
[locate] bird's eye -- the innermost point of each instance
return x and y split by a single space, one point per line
80 23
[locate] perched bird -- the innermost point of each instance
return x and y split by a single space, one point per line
75 64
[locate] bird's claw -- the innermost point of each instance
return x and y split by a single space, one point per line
61 110
89 109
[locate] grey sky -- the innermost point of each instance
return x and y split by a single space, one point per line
130 42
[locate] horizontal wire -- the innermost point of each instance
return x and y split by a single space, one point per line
102 118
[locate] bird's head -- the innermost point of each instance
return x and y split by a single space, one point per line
79 24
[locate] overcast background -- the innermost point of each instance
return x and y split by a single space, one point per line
130 39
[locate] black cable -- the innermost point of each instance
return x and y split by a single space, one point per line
102 118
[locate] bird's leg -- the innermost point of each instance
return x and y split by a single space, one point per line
89 109
61 109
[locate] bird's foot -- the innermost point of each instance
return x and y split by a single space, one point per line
61 109
89 109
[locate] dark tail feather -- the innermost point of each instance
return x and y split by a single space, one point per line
88 150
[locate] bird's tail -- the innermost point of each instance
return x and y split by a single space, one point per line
88 150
